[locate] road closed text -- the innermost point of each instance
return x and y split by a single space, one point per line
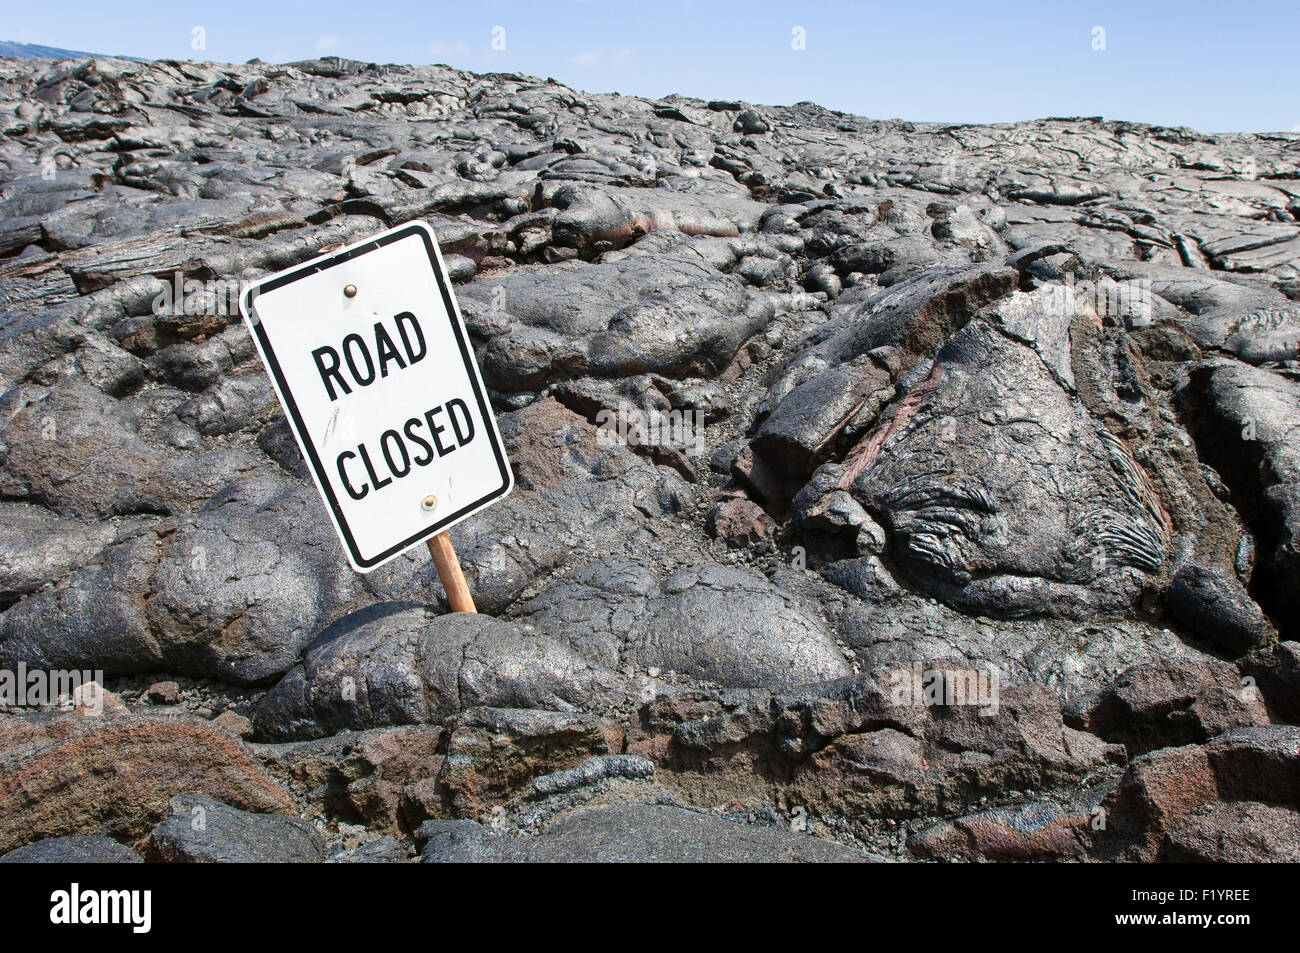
400 451
357 362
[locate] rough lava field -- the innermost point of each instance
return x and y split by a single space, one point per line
1020 399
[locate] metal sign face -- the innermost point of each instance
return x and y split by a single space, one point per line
371 362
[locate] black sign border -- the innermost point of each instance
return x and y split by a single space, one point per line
295 416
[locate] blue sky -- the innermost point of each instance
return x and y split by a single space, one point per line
1214 66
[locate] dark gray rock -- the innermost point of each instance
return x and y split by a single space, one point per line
245 582
93 619
78 451
710 622
577 498
38 548
634 833
729 626
1215 607
817 410
455 842
398 664
655 313
235 590
1005 512
83 849
1244 420
200 830
750 122
231 405
594 608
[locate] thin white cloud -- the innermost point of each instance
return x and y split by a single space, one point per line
444 50
590 58
327 43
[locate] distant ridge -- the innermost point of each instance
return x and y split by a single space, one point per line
34 51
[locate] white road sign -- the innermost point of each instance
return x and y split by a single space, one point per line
370 359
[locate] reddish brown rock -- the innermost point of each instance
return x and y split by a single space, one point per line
234 723
1235 832
116 777
1160 789
951 755
740 522
493 753
385 778
1173 703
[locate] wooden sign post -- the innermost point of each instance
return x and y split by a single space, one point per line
453 580
368 354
